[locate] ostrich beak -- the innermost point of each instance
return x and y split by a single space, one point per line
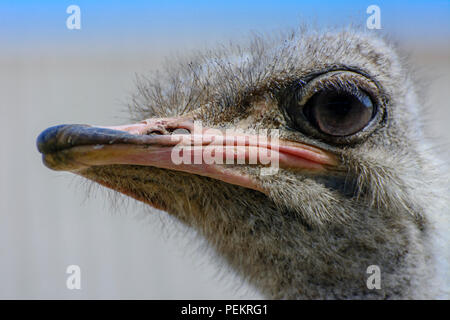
176 144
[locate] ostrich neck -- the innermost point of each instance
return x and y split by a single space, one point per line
285 259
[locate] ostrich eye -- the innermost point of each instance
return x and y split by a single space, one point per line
338 107
339 113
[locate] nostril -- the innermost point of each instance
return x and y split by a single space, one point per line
167 131
181 131
154 132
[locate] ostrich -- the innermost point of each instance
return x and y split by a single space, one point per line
357 183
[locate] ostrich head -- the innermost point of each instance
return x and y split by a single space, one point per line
355 182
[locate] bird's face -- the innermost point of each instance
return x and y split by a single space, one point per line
317 109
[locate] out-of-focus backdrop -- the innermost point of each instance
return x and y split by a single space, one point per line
51 75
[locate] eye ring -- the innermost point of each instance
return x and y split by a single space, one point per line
339 107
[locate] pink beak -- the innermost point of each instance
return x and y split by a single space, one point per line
178 144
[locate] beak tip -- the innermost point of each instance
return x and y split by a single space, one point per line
46 140
66 136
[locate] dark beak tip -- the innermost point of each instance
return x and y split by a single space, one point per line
56 138
65 136
46 141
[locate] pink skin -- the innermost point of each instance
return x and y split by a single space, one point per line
232 145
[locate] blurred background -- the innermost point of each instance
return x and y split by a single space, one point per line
51 75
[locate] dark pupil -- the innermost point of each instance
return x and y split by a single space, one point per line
339 114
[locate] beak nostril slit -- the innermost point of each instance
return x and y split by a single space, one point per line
167 131
180 131
154 132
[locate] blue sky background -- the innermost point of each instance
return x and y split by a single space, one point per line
41 25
